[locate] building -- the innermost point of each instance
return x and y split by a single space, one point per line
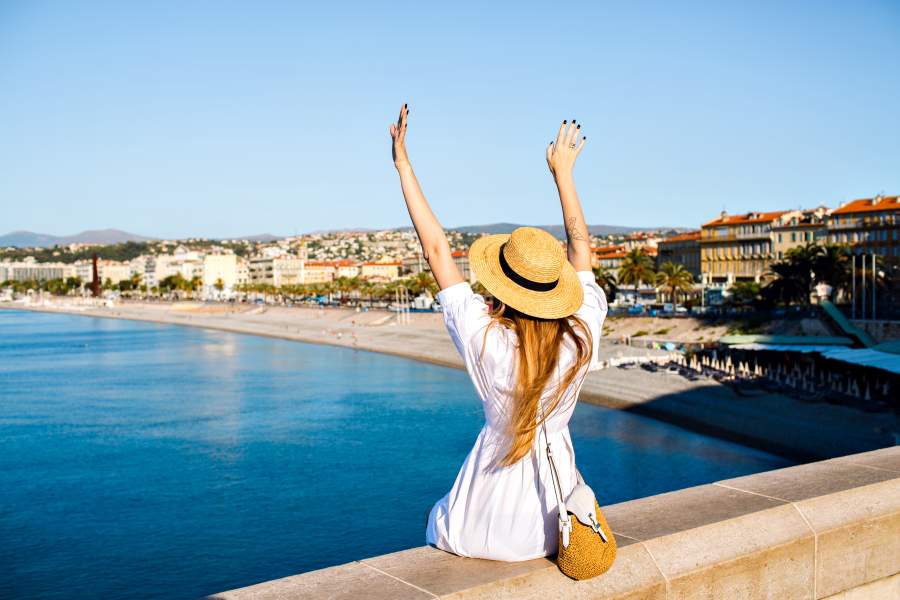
319 271
869 225
801 228
738 247
640 239
415 264
107 270
388 270
223 269
31 270
682 249
346 268
461 258
609 258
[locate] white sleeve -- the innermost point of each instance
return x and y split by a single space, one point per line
593 312
465 315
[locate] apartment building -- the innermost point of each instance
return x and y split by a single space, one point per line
224 268
609 258
388 270
800 228
416 263
682 249
739 247
278 271
346 268
319 271
31 270
107 270
868 225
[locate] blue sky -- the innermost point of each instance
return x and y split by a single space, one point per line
174 119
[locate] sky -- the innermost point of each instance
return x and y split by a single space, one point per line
221 119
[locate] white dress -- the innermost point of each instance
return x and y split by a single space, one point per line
506 513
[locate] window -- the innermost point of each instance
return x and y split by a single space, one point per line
793 236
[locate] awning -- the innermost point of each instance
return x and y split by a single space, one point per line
865 357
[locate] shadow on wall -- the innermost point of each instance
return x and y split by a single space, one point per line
795 429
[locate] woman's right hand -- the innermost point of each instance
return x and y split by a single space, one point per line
398 136
562 153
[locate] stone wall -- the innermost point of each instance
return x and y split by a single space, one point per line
881 331
829 529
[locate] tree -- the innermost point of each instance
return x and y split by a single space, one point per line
195 285
607 280
422 282
745 293
219 285
793 276
674 278
73 283
832 266
636 268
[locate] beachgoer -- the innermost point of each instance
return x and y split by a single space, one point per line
527 358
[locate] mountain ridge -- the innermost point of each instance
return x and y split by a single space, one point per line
30 239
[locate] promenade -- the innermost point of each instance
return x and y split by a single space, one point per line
775 423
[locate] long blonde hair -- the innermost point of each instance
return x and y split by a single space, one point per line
538 344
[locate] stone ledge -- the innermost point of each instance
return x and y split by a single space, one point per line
825 529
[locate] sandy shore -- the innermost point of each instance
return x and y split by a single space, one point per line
772 422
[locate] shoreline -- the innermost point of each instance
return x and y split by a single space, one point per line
773 423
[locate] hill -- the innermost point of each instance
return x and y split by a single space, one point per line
558 230
29 239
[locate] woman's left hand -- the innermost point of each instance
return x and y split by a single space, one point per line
398 135
562 153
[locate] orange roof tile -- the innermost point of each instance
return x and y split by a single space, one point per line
869 205
751 217
682 237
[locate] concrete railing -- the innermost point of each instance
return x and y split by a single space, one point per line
829 529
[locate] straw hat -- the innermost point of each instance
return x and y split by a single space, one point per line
528 271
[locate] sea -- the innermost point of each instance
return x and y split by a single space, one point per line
141 460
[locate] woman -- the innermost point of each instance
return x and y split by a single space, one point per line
527 359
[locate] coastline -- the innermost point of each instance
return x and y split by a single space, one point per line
773 423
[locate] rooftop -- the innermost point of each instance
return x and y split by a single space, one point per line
682 237
751 217
864 205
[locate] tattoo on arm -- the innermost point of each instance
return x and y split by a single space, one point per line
572 232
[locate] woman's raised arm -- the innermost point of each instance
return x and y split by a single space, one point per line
431 234
561 156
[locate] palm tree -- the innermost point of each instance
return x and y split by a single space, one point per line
607 280
793 276
832 266
636 268
195 284
422 282
674 278
791 284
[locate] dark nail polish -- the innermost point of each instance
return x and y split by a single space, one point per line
405 105
584 138
579 127
573 121
564 121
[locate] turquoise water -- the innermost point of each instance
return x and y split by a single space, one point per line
153 461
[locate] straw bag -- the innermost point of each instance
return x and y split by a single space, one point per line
587 547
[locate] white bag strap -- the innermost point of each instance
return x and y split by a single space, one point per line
565 523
